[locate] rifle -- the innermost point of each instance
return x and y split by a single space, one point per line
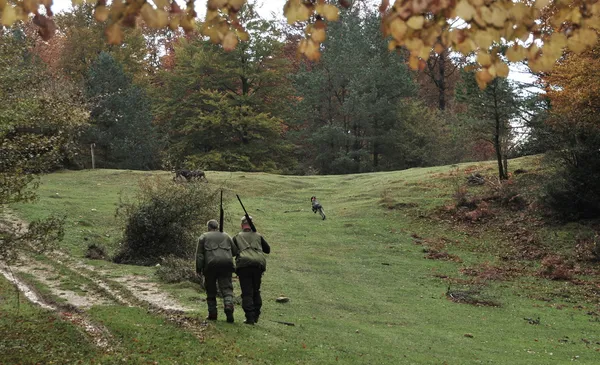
252 227
221 214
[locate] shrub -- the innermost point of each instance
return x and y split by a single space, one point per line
96 252
176 270
555 268
574 191
165 219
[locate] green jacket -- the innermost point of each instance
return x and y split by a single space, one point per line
250 247
215 250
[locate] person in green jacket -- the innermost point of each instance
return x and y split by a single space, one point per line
214 259
250 262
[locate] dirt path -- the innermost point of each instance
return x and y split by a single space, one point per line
74 286
98 334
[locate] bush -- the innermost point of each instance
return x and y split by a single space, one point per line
165 220
96 252
574 191
176 270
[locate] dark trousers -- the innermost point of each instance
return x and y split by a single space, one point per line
250 278
222 277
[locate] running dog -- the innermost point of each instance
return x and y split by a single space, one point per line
317 207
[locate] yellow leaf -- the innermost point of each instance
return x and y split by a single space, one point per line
149 15
483 77
162 18
114 34
318 35
541 3
438 48
398 28
515 53
416 22
174 25
187 23
413 62
498 17
9 15
414 45
574 16
519 11
465 10
575 43
243 35
466 47
593 22
230 41
424 53
588 36
484 58
558 39
161 4
211 15
330 12
302 14
215 4
486 14
392 45
101 14
501 69
483 39
76 2
312 50
236 4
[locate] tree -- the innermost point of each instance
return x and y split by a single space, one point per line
573 91
222 110
82 41
491 111
40 118
348 99
121 118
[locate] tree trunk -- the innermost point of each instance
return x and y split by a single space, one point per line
375 157
442 81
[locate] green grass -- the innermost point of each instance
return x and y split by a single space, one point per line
360 289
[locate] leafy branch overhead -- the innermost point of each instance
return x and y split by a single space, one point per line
497 31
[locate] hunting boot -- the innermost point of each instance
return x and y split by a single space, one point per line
212 309
250 318
229 313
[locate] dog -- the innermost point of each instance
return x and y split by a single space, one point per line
317 207
190 175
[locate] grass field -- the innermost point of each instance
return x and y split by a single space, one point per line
361 290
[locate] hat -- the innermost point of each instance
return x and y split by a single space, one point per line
245 221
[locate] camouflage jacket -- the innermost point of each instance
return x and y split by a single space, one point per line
251 247
215 250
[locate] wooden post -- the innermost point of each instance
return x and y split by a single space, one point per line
93 159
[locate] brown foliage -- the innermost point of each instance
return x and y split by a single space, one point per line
554 267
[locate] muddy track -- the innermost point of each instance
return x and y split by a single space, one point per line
98 334
92 288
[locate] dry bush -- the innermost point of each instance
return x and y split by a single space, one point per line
554 267
588 248
176 270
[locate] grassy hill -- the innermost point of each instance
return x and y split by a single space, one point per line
396 274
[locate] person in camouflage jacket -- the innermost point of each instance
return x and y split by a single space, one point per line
251 263
214 259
